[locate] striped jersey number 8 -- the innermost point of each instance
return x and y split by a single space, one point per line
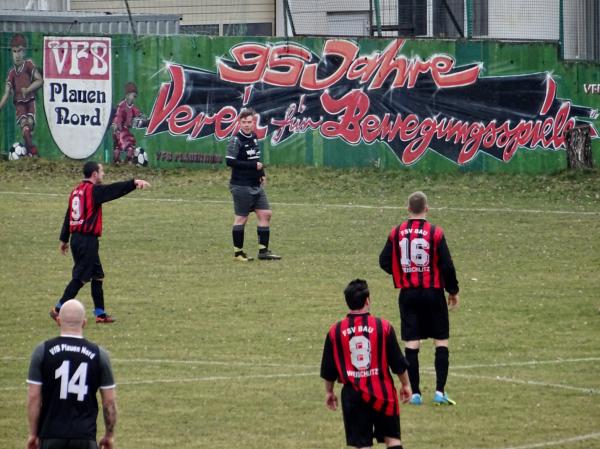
75 208
360 352
419 252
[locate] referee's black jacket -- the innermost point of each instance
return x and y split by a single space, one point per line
243 154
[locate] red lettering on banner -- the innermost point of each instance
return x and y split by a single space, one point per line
355 104
285 57
287 65
354 126
346 49
77 58
441 65
164 105
246 55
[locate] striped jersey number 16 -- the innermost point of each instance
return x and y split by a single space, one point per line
418 254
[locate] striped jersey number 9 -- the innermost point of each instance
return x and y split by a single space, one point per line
419 252
75 208
360 352
75 385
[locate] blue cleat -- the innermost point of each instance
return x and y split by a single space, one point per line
442 399
416 399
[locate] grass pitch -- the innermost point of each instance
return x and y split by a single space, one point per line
209 353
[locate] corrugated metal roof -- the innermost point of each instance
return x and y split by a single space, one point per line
87 22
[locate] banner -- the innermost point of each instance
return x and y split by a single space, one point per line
428 105
410 104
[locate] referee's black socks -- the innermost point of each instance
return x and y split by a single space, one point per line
237 233
263 238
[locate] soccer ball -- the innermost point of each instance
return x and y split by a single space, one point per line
16 151
140 157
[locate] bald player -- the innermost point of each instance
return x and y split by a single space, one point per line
65 374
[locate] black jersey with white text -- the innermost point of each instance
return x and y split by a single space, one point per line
243 154
70 370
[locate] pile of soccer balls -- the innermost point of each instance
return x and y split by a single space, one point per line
16 151
140 157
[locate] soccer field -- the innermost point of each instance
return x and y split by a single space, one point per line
211 353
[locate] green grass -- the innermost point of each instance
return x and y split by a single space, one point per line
209 353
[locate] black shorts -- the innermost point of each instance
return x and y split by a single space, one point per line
56 443
423 314
363 423
247 199
84 248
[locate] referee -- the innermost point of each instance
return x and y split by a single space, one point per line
246 187
83 224
418 258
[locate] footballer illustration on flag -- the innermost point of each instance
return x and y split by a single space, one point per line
77 92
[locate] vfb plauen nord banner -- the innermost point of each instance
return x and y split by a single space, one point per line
77 92
410 103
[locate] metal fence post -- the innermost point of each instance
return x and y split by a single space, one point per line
469 19
561 30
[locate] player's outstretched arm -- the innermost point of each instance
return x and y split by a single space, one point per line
141 184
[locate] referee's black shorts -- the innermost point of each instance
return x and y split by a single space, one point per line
56 443
248 199
363 423
423 314
84 248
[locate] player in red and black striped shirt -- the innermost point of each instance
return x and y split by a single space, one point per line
361 351
83 223
418 258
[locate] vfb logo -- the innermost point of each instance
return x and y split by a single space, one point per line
77 92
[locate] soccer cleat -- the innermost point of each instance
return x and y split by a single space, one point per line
53 313
442 399
104 318
416 399
268 255
241 256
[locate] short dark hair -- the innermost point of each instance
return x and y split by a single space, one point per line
356 293
417 202
89 168
247 112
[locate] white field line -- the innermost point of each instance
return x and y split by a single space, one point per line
214 378
589 436
512 380
316 374
337 206
214 362
259 364
530 363
275 375
194 379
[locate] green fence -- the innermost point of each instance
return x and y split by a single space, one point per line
433 106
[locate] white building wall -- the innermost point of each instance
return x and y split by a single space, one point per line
517 19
